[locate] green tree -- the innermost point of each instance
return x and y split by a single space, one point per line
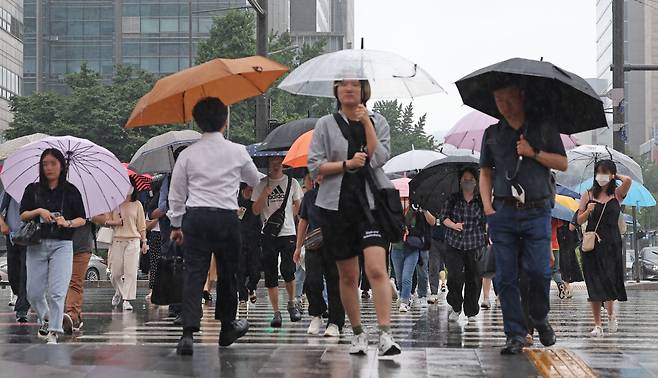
406 133
93 110
648 216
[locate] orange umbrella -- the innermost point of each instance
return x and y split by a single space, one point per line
231 80
297 156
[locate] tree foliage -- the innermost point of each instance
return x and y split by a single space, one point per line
406 132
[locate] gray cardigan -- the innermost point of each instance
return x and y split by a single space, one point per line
329 145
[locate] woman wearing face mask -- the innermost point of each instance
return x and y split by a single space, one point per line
463 215
603 267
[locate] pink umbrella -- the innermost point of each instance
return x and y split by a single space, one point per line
468 131
402 185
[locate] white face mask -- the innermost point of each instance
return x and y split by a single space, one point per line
602 179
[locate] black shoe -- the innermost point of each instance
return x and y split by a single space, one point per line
365 294
233 331
295 313
21 318
325 315
512 347
185 346
561 290
252 296
67 324
172 314
207 296
546 334
277 321
179 320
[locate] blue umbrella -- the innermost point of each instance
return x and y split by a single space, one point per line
564 191
638 195
562 213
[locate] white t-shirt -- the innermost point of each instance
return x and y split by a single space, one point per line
275 200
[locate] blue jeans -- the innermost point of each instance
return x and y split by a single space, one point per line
526 234
422 273
404 261
555 272
49 268
300 277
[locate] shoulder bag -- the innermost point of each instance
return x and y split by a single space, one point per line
30 232
313 240
590 238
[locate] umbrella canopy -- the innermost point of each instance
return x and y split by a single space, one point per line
231 80
468 132
564 191
550 92
141 182
432 186
450 150
297 156
9 147
567 202
157 154
285 135
411 161
402 185
583 158
99 176
638 195
260 158
389 75
562 213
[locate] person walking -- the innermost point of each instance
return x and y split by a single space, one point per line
516 159
10 222
276 199
463 216
57 205
204 218
556 273
437 273
320 268
603 267
128 240
568 239
250 256
344 195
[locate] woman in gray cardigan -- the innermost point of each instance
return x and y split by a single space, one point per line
343 196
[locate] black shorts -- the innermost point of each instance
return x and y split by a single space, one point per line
272 248
347 235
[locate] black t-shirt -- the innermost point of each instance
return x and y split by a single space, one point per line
309 211
353 183
250 224
499 152
65 199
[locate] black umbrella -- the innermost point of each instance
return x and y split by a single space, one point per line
551 93
285 135
432 185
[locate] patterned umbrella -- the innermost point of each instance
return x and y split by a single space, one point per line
141 182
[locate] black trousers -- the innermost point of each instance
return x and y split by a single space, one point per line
463 275
321 267
17 272
208 231
365 284
249 268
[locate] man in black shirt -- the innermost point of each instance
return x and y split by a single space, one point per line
249 266
519 217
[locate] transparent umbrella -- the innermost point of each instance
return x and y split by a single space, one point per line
583 158
413 160
389 75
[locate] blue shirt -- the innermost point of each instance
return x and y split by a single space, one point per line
12 215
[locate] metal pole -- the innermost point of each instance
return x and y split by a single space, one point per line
39 46
638 264
189 33
261 49
618 72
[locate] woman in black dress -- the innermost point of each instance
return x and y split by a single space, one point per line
603 267
568 239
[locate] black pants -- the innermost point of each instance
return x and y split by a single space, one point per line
208 231
320 266
463 275
365 284
17 276
249 269
283 246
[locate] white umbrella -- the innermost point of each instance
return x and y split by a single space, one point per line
157 154
389 75
450 150
99 176
411 161
582 159
9 147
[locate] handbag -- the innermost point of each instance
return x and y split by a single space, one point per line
274 223
487 262
590 238
313 240
390 216
29 233
414 242
105 235
168 283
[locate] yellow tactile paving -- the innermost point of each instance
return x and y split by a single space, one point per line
559 363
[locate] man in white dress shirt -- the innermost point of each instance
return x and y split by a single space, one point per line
203 212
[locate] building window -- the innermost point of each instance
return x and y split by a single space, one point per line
130 10
168 65
130 25
150 25
150 64
91 28
169 25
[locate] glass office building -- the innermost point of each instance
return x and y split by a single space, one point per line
11 56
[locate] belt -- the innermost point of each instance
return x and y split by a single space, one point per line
209 209
513 202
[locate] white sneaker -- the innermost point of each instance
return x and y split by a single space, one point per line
597 332
116 299
422 301
404 307
472 319
51 338
332 331
613 324
314 327
454 316
359 344
12 300
388 346
127 306
394 290
42 332
433 299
